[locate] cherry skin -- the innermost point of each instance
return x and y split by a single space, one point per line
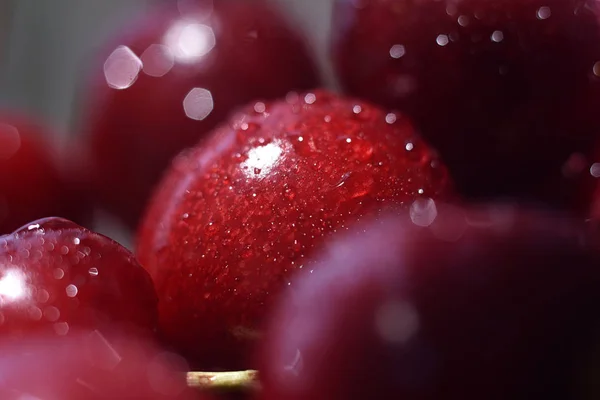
32 182
89 366
57 277
506 90
235 218
170 77
488 302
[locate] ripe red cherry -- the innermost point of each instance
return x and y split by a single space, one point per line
90 366
32 184
234 219
485 303
507 90
57 277
171 77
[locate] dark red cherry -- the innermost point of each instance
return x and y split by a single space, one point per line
489 302
235 218
32 183
506 90
170 77
57 277
91 366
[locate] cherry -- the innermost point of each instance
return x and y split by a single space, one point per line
487 302
506 90
235 218
32 183
90 366
170 77
57 277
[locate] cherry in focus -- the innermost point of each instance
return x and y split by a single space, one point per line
32 183
507 91
170 77
90 366
57 277
235 218
489 302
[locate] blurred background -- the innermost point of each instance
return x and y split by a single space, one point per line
46 45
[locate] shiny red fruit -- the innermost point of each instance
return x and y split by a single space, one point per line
507 90
90 366
32 183
57 277
235 218
490 302
171 77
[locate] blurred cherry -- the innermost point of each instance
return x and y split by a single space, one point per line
170 77
90 366
507 90
488 302
33 182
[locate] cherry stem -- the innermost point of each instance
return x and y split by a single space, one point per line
228 380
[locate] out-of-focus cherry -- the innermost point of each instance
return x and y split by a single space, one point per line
170 77
507 90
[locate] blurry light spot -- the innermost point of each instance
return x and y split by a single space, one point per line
58 273
442 40
93 271
595 170
121 68
189 42
13 286
390 118
260 107
409 146
596 68
463 20
262 159
310 98
35 313
51 313
198 104
396 321
71 290
544 13
397 51
497 36
10 139
157 60
575 164
348 140
423 212
61 328
356 109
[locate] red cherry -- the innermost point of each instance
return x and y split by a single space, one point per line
171 77
488 303
90 366
57 277
235 218
31 182
507 90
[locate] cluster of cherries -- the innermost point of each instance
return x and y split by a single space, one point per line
434 236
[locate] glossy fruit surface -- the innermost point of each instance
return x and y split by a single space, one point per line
57 277
90 366
171 76
235 218
506 90
489 302
32 185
